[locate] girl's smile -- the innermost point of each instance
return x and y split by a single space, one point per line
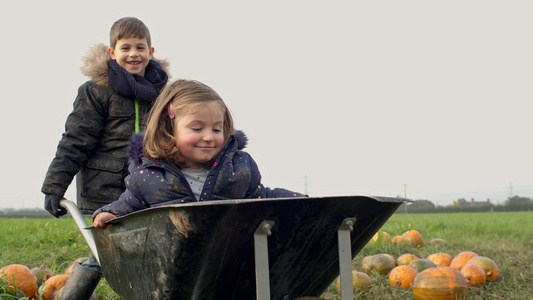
199 134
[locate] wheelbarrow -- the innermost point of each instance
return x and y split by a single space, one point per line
280 249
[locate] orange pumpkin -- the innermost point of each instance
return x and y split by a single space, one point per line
474 274
379 263
459 261
396 239
386 237
441 259
365 259
440 283
42 274
382 237
53 285
437 241
488 265
412 238
19 277
392 258
406 258
402 276
360 281
421 264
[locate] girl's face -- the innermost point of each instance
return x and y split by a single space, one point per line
132 54
199 134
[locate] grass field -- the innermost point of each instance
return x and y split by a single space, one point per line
505 237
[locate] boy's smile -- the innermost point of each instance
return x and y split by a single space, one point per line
132 54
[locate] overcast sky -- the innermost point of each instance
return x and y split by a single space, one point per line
425 99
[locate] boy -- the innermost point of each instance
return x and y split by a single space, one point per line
109 109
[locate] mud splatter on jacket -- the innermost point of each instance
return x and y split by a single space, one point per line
234 175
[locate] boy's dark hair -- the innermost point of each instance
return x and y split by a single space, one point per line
129 27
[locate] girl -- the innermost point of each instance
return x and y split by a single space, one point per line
189 152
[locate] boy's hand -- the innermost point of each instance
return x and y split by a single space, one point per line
101 218
51 204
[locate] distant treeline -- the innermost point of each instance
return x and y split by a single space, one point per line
515 203
24 213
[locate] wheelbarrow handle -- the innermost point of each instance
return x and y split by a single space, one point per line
82 225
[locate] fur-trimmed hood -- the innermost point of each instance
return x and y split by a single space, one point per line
95 64
135 151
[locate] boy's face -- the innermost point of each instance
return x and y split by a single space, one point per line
132 54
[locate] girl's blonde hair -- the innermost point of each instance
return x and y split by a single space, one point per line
158 142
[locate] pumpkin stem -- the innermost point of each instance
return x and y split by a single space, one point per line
398 283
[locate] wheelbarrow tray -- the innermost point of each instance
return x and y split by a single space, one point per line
205 250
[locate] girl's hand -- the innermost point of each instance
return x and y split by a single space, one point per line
101 218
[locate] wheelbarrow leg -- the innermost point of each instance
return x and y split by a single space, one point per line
262 273
345 258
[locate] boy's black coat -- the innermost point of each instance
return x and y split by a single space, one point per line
97 135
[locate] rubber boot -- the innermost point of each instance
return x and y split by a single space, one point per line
82 281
